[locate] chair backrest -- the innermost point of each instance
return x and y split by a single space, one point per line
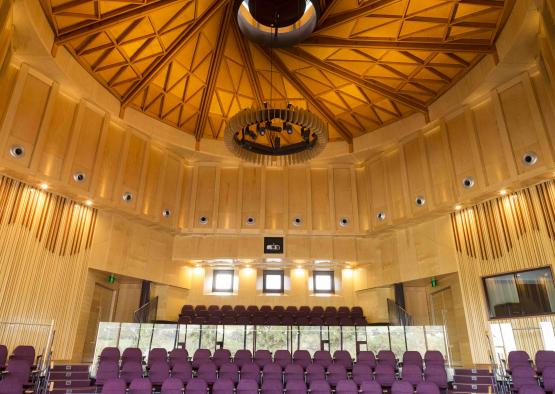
401 387
387 357
157 354
178 355
24 352
239 309
346 387
223 386
323 358
427 388
344 358
434 357
140 386
114 386
158 372
320 387
295 387
247 386
19 369
196 386
208 371
315 372
336 373
271 371
356 311
131 354
3 355
182 371
251 372
370 387
10 385
221 356
411 357
544 358
366 357
107 370
531 389
523 375
131 370
202 354
262 357
199 308
110 353
518 357
283 357
361 373
293 372
229 371
242 356
172 386
302 357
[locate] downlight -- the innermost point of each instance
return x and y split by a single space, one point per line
17 151
203 220
79 177
529 158
166 213
127 197
380 216
343 222
420 201
250 220
297 221
468 182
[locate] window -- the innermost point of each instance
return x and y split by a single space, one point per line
272 281
323 282
522 293
222 281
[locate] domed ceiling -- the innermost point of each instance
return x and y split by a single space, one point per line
367 63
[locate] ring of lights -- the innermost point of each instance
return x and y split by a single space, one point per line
311 145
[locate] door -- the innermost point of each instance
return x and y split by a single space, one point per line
102 307
443 312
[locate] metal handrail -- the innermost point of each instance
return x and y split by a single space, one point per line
397 313
147 312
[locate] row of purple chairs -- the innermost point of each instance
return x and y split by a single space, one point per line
246 386
274 320
267 310
525 373
543 359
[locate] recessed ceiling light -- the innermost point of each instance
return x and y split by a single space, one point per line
503 192
44 186
88 203
458 207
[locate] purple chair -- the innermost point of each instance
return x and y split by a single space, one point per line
19 370
411 357
199 308
131 370
523 375
213 308
252 309
270 320
291 310
315 372
384 375
140 386
260 321
185 320
283 358
278 310
262 357
242 357
213 319
208 372
548 375
412 374
229 371
293 372
109 354
303 310
272 387
239 309
302 358
329 321
343 357
356 311
131 354
178 356
114 386
266 309
323 358
320 387
158 372
107 370
229 320
221 357
346 321
185 308
336 373
172 386
317 311
157 354
25 353
11 385
287 321
367 357
531 389
330 311
401 387
360 321
223 386
247 386
361 373
434 357
295 387
387 357
200 356
226 309
343 311
199 320
271 371
370 387
196 386
182 371
316 321
243 320
346 387
302 321
3 356
544 358
436 374
427 388
517 358
250 372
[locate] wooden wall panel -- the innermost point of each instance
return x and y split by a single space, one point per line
228 216
378 194
44 250
185 214
132 170
362 188
437 154
204 196
395 178
170 189
417 175
320 207
151 196
251 196
298 197
343 199
109 161
275 198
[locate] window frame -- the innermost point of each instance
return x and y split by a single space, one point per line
514 275
273 272
331 274
215 273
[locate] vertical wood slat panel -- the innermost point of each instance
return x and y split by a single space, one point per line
44 250
507 234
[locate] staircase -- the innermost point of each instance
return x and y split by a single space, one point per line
70 378
474 381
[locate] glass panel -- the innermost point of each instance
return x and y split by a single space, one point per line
223 280
323 281
547 335
398 344
107 336
349 340
435 338
335 338
310 338
361 337
273 281
182 331
192 340
234 338
208 337
164 336
271 337
145 337
377 338
250 338
129 336
416 339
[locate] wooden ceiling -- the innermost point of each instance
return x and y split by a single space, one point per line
368 63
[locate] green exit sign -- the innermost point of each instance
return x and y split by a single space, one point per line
111 278
434 282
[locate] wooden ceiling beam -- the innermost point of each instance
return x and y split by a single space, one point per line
325 41
215 63
326 11
246 55
113 18
308 95
176 46
355 79
348 16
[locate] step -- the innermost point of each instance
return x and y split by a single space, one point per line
70 367
473 379
80 390
66 375
473 371
472 388
71 383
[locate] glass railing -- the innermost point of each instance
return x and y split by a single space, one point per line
147 336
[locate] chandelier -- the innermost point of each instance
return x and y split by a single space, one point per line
276 135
